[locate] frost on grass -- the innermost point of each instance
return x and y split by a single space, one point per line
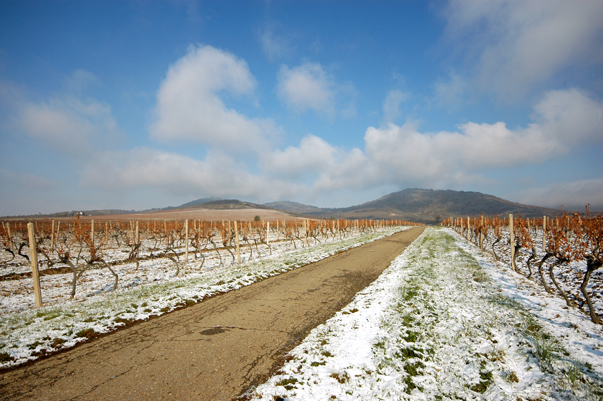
443 322
29 334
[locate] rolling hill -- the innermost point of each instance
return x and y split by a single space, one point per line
424 206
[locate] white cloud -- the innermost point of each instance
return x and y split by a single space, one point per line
572 195
515 45
319 165
352 170
67 124
391 106
562 120
313 155
307 87
189 108
217 175
404 156
571 116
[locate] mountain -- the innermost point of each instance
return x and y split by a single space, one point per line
198 202
293 207
428 206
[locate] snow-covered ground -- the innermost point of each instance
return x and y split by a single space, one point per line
446 321
150 290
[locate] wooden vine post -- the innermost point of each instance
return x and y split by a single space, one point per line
306 229
52 236
92 232
481 234
544 234
268 232
10 238
512 241
186 236
165 230
237 241
33 257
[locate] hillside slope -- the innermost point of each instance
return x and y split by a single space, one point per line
428 206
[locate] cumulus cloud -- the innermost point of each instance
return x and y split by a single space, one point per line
313 155
562 119
351 170
571 116
190 109
217 175
307 87
392 155
404 156
516 45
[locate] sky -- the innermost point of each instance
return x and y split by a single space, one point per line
145 103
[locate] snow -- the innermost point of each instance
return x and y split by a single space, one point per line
151 290
446 321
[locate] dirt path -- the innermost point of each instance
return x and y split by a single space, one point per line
214 350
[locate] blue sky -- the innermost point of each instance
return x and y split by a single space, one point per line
143 104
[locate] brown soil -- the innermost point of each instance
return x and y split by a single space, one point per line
46 272
215 350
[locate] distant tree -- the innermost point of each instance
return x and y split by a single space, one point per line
256 218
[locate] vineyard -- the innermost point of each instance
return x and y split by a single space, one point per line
74 256
564 254
94 278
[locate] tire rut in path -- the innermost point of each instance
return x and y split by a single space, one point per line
214 350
